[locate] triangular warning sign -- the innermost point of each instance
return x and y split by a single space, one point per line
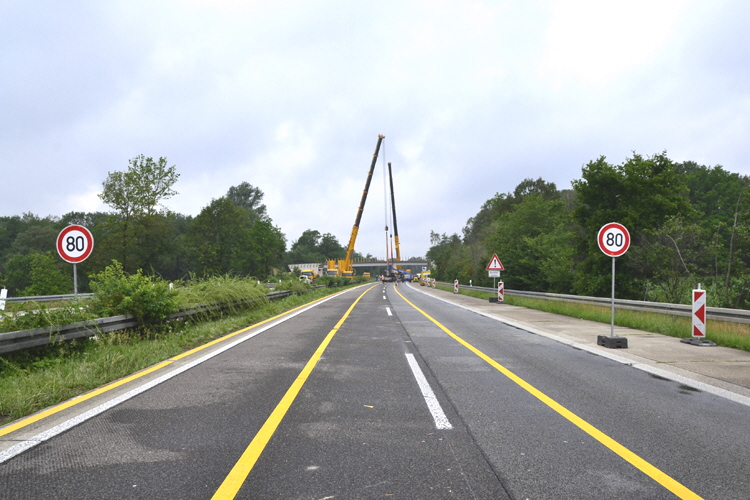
700 314
495 264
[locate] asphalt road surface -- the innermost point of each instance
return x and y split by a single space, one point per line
386 392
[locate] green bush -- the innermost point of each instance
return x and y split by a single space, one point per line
147 298
236 292
46 276
333 281
30 315
295 286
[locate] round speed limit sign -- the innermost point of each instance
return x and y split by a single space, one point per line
74 244
613 239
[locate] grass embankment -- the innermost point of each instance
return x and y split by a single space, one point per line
38 378
726 334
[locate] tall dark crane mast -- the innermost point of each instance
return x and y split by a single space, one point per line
355 229
344 267
395 224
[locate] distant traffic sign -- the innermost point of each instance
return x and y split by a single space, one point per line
74 244
613 239
495 264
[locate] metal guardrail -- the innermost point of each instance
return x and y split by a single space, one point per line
714 313
71 296
50 298
24 339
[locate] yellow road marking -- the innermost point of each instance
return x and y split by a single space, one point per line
236 477
85 397
651 471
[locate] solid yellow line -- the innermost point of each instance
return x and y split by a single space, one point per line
657 475
85 397
78 400
236 477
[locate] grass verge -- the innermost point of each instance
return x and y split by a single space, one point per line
38 378
726 334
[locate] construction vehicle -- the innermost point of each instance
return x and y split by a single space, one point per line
311 271
310 274
332 269
423 276
344 266
366 275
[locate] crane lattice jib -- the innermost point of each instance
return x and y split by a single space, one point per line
355 229
395 224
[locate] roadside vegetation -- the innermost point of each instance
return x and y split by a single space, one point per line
726 334
232 235
37 378
688 223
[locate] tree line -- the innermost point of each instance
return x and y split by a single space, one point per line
231 235
689 224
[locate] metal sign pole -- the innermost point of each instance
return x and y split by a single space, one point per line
612 330
613 240
75 280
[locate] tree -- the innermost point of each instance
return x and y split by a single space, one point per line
47 277
449 257
248 197
136 194
216 235
330 247
17 273
641 194
262 251
311 246
141 188
36 239
528 187
669 258
723 202
535 241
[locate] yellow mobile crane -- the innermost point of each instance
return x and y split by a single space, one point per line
344 267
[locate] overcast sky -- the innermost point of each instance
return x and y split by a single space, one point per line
473 97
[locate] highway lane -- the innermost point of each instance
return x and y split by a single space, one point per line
699 440
359 425
359 428
362 429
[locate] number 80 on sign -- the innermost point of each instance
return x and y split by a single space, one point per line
74 244
613 239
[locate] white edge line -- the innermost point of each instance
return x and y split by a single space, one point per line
702 386
19 448
441 421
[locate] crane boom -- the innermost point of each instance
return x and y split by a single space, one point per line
395 224
345 266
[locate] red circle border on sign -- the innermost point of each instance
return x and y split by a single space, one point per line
61 239
600 237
